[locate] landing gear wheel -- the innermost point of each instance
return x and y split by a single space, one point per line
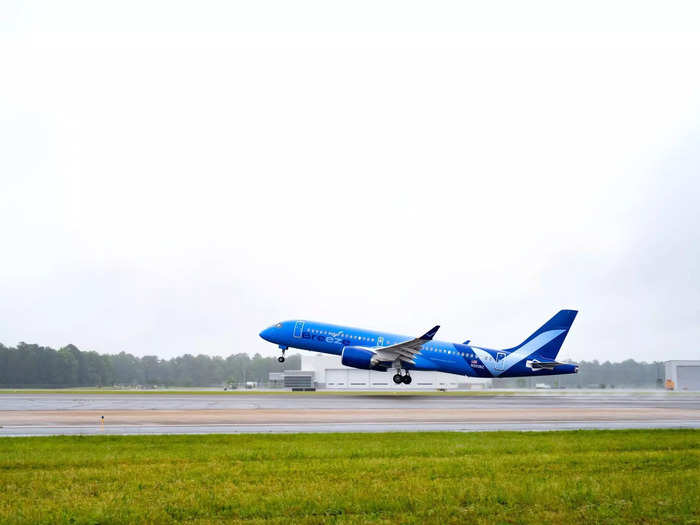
398 379
281 359
406 379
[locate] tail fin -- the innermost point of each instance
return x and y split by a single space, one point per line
557 328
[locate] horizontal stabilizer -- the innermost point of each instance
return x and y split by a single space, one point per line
542 365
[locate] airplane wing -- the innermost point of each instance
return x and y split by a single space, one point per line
405 351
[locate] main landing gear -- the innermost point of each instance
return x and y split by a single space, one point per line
405 379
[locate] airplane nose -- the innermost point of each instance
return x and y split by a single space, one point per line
265 334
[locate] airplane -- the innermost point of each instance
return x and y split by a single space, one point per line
373 350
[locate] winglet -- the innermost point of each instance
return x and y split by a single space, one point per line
466 342
430 333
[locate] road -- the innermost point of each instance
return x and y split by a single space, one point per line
53 414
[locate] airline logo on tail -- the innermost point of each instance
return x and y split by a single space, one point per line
503 365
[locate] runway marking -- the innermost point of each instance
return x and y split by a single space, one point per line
25 431
162 414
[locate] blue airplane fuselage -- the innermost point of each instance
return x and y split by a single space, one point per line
534 357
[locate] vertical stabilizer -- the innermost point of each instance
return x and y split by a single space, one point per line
559 325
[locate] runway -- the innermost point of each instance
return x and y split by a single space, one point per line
59 414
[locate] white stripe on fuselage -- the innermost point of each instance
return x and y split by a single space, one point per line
518 355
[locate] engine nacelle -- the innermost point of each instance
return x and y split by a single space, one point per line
358 357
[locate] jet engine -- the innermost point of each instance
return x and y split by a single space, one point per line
358 357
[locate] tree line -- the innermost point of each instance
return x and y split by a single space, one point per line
593 374
30 365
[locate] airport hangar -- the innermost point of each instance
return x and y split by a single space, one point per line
326 371
683 375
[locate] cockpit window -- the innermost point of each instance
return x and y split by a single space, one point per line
278 325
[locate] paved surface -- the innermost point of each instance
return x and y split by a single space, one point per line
51 414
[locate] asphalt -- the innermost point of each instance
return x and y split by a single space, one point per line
58 414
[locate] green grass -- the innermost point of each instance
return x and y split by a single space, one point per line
500 477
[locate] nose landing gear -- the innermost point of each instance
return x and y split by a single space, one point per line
281 358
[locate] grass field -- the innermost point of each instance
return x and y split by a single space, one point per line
501 477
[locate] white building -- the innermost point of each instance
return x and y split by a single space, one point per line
683 375
331 374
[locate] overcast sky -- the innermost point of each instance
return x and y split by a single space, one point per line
175 178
